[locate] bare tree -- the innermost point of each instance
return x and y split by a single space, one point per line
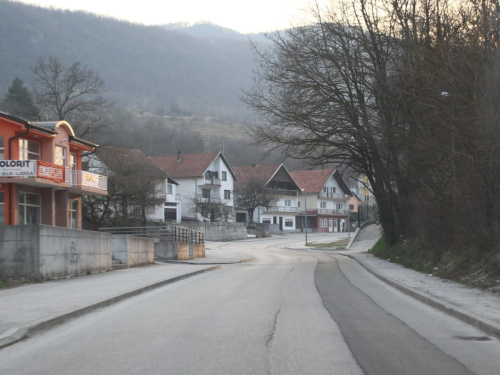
254 195
72 94
210 208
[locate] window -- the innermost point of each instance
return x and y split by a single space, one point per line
73 213
29 208
322 204
266 221
208 175
339 206
2 208
170 189
351 207
322 223
29 150
298 203
227 194
288 202
224 176
288 222
205 193
60 156
1 149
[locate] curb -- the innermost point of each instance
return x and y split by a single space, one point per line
208 263
485 325
28 330
352 238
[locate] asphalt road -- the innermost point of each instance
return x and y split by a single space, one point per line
286 312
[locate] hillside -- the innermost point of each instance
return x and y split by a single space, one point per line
148 68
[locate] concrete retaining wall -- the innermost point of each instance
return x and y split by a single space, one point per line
132 250
222 233
43 252
165 250
199 251
182 251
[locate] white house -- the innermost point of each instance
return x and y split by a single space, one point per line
327 197
200 176
277 180
113 160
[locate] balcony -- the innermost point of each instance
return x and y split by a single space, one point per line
325 211
284 209
332 195
288 193
212 182
33 173
83 182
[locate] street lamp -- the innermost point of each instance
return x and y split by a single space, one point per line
348 216
305 208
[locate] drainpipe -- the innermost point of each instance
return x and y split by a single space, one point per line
11 201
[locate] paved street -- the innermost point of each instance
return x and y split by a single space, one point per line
288 311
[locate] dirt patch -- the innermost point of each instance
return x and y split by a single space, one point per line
337 244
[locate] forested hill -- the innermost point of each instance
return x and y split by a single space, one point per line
146 67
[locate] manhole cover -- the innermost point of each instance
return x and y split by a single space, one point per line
474 338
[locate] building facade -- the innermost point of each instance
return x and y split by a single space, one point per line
325 197
41 176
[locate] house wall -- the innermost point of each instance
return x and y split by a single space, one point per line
41 252
187 190
222 233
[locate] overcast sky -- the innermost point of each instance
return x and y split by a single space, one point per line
245 16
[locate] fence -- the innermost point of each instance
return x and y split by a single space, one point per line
165 233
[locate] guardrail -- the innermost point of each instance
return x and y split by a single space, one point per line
282 209
165 233
87 179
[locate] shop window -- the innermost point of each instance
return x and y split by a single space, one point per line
288 222
29 208
2 150
322 223
29 150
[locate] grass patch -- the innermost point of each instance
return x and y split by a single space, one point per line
340 243
461 266
6 284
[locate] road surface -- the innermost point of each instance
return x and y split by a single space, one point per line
285 312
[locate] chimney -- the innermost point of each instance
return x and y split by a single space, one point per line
179 156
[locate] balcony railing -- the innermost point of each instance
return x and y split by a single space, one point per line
282 209
325 211
323 194
213 181
90 180
290 193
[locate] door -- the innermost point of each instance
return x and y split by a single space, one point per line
335 226
281 223
330 225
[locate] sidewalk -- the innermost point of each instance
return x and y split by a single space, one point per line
474 306
28 309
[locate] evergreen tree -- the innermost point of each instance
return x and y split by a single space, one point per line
19 101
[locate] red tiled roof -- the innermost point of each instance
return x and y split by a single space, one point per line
115 156
312 181
259 172
190 165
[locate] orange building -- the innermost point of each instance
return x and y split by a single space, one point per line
41 176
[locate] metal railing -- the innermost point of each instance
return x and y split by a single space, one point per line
325 211
87 179
164 233
282 209
323 194
291 193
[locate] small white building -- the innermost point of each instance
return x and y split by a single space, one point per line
206 175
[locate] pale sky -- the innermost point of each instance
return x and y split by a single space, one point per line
245 16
